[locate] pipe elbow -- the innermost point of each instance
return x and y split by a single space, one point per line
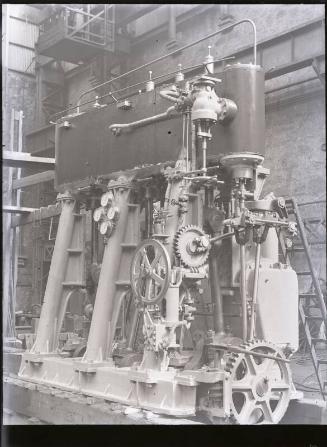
170 95
226 110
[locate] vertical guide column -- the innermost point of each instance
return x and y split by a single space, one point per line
97 345
47 327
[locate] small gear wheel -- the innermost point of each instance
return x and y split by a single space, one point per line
192 246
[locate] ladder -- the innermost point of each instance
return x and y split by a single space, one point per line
309 300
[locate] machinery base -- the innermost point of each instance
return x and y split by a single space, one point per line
165 392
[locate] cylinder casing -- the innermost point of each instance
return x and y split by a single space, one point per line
244 84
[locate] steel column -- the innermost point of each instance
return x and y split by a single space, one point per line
45 337
100 330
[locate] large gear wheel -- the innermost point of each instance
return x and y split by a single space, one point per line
260 387
191 246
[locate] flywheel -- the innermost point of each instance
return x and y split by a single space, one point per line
150 272
192 246
260 387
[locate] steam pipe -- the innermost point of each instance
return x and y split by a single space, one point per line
226 28
140 123
186 69
243 293
255 290
216 295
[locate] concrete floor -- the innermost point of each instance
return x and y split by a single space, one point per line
304 375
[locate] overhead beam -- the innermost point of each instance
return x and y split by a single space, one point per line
34 179
17 209
36 215
181 16
26 160
126 14
292 66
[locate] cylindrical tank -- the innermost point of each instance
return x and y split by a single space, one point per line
244 84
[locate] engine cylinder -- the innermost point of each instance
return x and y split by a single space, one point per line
244 84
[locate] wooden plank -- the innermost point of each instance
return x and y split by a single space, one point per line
26 160
37 214
34 179
17 209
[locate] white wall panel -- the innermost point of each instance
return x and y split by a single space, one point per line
21 59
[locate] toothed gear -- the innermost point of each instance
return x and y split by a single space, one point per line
191 246
260 387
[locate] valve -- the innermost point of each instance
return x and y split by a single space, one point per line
209 66
180 75
149 86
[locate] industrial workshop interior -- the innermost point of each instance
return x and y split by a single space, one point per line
164 214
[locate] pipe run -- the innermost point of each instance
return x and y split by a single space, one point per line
116 128
255 291
183 70
161 58
243 293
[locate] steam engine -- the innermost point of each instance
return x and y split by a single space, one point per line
194 312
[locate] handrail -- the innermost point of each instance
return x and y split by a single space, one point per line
311 203
178 51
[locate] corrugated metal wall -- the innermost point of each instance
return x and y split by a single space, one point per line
22 37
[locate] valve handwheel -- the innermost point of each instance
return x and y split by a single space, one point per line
150 272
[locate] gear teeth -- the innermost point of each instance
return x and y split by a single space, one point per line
232 364
178 248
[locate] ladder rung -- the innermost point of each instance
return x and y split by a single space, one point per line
73 284
123 283
313 317
128 245
74 250
307 295
132 205
322 361
312 219
295 249
303 273
319 340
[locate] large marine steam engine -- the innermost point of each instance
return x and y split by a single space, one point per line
193 312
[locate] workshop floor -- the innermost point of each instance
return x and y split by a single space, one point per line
304 375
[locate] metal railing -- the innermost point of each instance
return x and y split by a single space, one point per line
83 25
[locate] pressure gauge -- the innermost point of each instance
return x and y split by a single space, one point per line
106 198
112 213
98 213
104 227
